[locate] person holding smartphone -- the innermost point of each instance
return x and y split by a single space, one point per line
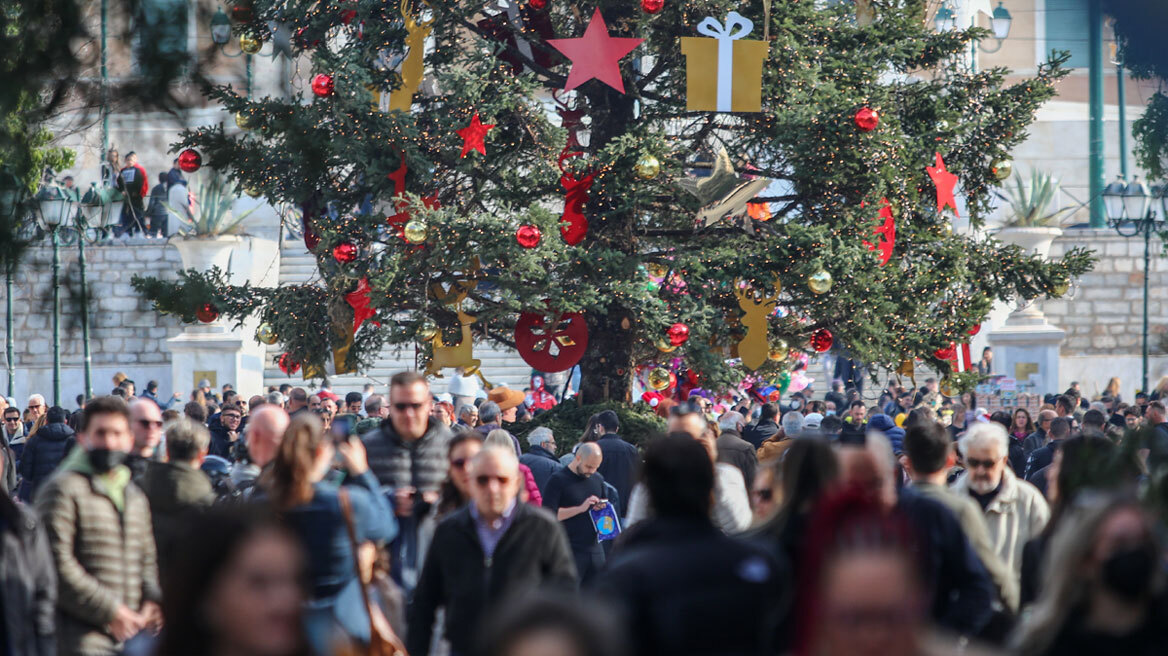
571 493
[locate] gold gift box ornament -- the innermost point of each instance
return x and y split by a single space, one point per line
723 73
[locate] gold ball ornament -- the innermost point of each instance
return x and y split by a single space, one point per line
819 282
415 231
648 167
659 379
266 334
1002 169
249 44
946 387
253 192
1060 287
243 120
427 330
779 351
664 346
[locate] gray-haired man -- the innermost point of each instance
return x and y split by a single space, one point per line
541 456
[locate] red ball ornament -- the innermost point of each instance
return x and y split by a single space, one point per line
323 85
652 6
190 160
207 313
947 352
345 252
821 340
975 330
288 364
678 334
537 4
867 119
528 236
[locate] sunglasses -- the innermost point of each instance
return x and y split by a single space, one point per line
402 407
459 463
35 407
974 463
146 423
484 480
12 419
686 408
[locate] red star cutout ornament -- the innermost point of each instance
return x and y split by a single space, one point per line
886 231
472 136
595 55
944 181
358 299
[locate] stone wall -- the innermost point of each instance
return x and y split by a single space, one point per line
125 333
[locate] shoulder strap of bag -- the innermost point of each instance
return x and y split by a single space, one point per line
395 647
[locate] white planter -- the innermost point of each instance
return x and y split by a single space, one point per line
201 254
1036 241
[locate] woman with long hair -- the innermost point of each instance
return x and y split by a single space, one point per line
1160 392
455 492
295 486
1022 425
809 469
234 586
1104 586
1112 389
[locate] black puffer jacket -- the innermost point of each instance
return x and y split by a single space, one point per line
28 584
43 452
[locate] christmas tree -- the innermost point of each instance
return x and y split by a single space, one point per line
728 183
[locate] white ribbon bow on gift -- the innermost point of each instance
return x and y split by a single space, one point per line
735 27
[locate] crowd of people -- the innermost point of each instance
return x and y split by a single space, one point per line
301 522
146 209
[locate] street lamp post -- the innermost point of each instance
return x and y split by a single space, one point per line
1130 213
95 209
1000 21
12 197
221 34
54 206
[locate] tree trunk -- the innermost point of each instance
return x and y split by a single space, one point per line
606 370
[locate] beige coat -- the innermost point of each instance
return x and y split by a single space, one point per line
1015 516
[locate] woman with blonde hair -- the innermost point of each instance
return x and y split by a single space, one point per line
1161 390
1112 389
530 492
1104 589
312 508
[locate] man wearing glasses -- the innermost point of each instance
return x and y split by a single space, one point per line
408 457
224 435
36 408
146 427
14 433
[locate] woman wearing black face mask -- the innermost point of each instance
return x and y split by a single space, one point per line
1104 588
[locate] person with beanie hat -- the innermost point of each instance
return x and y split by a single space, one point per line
883 424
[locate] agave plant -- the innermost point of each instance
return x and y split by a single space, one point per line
210 210
1029 203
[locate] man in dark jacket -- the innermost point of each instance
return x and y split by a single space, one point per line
177 488
28 583
766 428
621 460
680 585
541 456
735 450
146 426
493 549
156 214
44 451
1037 439
1060 429
408 457
225 432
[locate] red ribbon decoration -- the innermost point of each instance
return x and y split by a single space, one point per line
358 299
887 231
573 223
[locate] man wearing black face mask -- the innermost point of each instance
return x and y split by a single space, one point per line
101 538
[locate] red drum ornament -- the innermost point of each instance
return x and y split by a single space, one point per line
536 333
975 330
678 334
323 85
652 6
537 4
946 353
190 160
821 340
867 119
528 236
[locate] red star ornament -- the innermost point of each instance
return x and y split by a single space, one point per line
472 136
887 233
945 181
595 55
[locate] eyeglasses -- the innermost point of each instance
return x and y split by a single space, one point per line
34 407
402 407
974 463
12 419
686 408
459 463
146 423
232 416
485 480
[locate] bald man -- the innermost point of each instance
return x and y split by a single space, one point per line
494 548
146 427
570 493
265 430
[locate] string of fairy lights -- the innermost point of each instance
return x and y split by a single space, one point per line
335 154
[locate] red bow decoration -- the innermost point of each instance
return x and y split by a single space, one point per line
573 223
358 299
887 231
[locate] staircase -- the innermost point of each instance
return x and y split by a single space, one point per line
297 266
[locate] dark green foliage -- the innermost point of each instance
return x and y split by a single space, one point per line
331 157
1138 26
568 420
